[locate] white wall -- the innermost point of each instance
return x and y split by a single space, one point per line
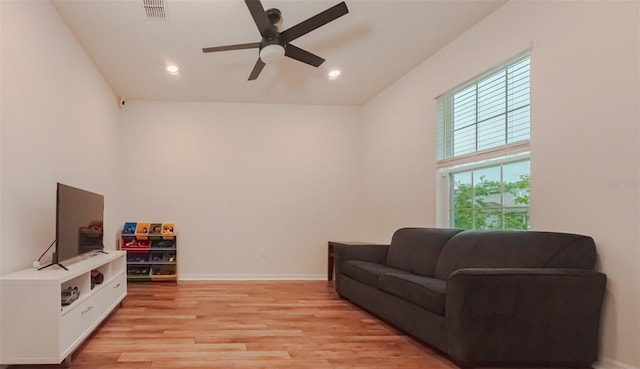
598 164
255 190
584 138
59 124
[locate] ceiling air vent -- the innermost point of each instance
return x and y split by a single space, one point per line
155 10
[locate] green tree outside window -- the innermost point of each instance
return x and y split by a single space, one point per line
490 204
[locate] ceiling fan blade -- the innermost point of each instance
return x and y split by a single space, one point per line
260 18
304 56
314 22
256 70
252 45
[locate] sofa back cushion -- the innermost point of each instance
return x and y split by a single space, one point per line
515 249
416 250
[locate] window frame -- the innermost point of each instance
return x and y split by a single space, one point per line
500 155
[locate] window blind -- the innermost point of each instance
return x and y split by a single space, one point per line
486 113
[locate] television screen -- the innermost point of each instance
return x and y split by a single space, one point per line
79 222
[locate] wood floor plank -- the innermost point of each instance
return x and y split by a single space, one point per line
193 355
247 364
162 347
246 325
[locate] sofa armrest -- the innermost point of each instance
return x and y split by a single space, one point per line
524 315
375 253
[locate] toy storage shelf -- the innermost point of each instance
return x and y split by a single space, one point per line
37 328
151 252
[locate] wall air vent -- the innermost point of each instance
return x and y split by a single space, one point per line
156 10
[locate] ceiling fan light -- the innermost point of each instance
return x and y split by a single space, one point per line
272 53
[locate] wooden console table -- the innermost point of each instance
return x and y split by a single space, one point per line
330 256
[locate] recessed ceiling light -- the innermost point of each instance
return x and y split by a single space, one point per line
333 74
172 69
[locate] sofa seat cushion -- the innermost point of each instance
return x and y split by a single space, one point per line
365 271
426 292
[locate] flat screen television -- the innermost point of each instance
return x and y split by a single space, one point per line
79 223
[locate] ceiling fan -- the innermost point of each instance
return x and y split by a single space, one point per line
275 44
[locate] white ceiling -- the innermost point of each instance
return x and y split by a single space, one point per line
374 45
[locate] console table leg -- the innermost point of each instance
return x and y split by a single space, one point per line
330 262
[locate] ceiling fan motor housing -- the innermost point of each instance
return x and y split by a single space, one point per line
272 46
275 17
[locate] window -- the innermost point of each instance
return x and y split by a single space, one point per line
491 197
483 130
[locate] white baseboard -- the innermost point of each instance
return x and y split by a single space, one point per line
252 277
606 363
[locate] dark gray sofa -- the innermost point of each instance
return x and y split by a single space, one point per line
483 297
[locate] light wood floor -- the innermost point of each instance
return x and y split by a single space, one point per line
246 325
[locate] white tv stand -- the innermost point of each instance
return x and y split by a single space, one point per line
36 328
